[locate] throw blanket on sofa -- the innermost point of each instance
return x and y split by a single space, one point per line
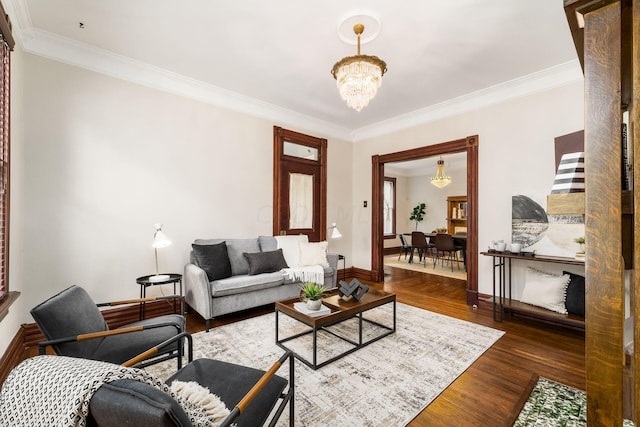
312 273
290 246
57 390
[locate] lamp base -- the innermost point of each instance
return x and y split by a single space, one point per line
159 278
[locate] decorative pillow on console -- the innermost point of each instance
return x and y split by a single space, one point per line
575 294
545 290
265 262
213 259
314 253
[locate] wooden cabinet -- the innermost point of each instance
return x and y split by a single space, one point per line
456 214
606 34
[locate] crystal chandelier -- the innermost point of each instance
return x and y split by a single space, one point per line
358 77
440 180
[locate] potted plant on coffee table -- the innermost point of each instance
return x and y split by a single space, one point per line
311 293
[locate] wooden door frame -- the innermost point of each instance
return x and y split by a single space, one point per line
468 145
279 136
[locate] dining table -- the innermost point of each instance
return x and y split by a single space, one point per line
460 239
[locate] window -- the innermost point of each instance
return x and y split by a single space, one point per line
389 206
7 43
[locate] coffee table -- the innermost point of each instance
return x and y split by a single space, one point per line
342 309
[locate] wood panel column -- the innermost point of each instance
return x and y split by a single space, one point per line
604 263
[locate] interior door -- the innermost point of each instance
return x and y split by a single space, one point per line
299 184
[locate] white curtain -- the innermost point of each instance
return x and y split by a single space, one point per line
300 201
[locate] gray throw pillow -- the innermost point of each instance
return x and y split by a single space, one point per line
213 259
265 262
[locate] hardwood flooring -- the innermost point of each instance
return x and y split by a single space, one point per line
491 391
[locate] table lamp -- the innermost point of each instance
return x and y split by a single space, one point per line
335 233
160 240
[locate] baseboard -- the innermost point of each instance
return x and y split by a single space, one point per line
12 356
361 274
29 334
391 251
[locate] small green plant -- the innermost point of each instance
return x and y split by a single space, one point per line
418 213
312 291
579 240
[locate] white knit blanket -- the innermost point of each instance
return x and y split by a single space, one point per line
56 391
311 273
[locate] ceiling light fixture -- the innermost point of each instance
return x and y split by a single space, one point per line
358 77
440 180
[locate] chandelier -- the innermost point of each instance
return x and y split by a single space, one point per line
358 77
440 180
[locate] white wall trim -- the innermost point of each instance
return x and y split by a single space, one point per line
49 45
560 75
69 51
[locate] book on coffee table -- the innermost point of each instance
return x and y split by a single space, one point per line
302 308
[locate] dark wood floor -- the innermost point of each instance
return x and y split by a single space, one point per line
491 391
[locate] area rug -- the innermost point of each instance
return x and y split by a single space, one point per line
386 383
392 261
552 404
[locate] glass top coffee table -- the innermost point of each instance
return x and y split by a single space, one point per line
342 310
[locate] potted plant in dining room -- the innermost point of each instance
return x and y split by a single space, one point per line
311 293
580 240
418 213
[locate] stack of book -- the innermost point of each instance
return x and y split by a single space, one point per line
302 308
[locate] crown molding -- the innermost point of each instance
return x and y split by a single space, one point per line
560 75
52 46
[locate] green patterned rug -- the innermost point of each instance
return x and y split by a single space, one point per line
553 404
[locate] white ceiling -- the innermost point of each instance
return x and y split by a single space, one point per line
273 58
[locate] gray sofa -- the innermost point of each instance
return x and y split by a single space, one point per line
241 290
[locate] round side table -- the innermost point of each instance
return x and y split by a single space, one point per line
146 281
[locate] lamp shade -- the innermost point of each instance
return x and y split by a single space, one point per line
160 240
335 233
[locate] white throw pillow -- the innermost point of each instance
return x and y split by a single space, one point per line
313 254
290 246
545 290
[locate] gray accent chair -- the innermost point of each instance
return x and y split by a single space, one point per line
250 394
74 326
242 291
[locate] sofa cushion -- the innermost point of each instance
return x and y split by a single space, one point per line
313 253
267 243
213 259
265 262
245 283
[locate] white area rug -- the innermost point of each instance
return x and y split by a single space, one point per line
392 261
386 383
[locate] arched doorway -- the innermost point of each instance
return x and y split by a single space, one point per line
468 144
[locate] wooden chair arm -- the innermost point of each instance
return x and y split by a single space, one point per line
93 335
139 300
255 390
154 350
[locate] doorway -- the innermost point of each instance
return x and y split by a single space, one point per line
468 145
300 184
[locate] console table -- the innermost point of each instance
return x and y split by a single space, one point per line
502 271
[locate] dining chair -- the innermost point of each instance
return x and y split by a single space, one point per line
445 245
419 242
405 248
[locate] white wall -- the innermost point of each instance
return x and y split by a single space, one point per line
516 156
107 159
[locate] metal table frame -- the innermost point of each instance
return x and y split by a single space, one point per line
324 327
